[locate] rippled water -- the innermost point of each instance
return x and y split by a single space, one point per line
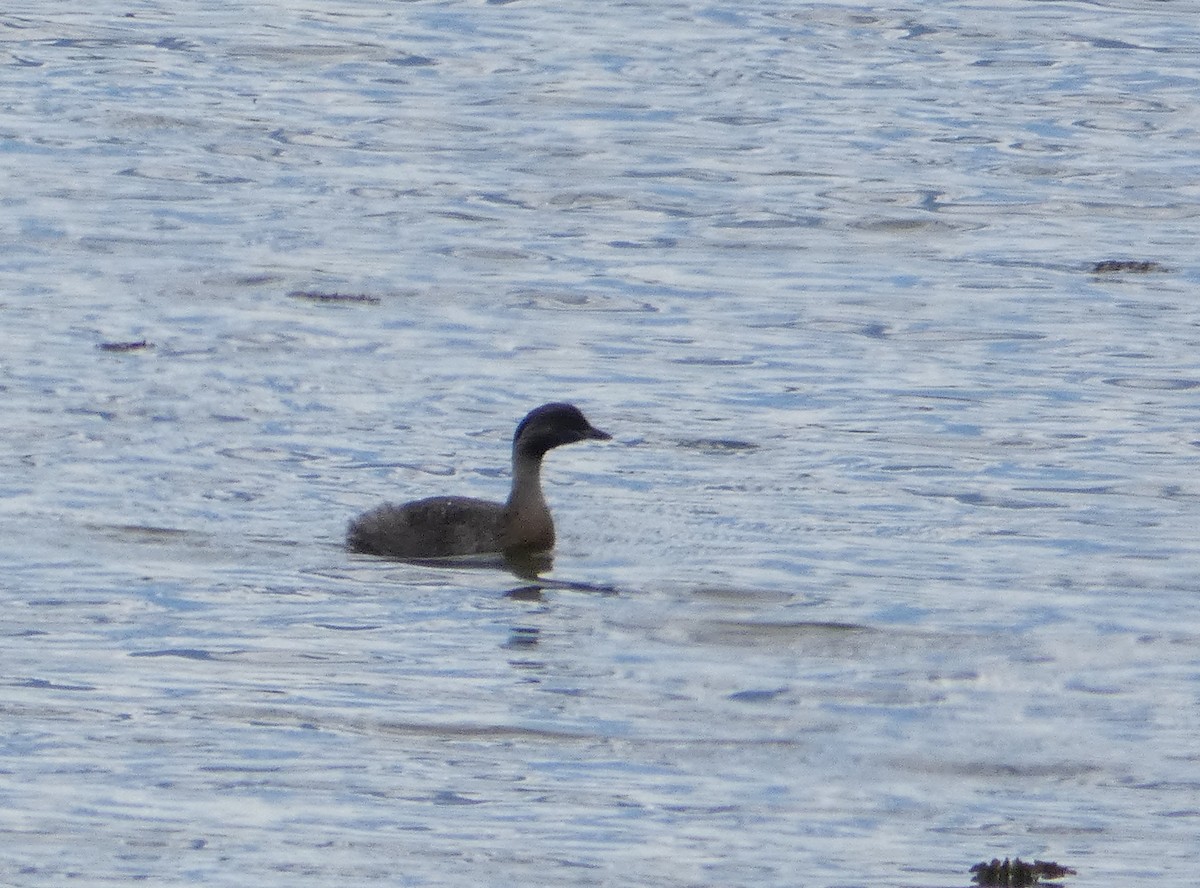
891 568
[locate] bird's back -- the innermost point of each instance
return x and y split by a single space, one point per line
438 527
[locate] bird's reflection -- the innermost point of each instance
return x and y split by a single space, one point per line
528 565
524 566
525 593
523 638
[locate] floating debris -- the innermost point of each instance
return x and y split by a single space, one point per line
125 346
1129 266
319 296
1017 873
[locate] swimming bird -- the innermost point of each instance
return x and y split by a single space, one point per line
444 526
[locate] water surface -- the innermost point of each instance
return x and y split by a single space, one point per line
890 569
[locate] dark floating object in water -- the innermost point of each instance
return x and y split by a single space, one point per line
318 296
1017 873
1129 266
125 346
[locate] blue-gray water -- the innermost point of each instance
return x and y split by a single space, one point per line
901 515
